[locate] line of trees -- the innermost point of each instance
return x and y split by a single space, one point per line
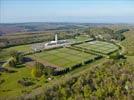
118 35
106 33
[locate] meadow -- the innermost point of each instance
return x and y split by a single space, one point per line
5 53
10 87
80 38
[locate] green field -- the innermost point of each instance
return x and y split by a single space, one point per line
80 38
63 57
21 48
99 46
4 53
11 87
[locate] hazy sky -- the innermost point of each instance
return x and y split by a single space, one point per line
94 11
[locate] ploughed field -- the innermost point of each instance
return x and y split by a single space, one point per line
98 47
63 57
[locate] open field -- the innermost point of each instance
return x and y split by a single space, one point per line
4 53
11 87
21 48
99 47
63 57
80 38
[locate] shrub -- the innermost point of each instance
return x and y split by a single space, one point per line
47 71
10 63
76 66
98 57
18 57
2 81
117 56
10 70
37 70
25 81
61 71
88 61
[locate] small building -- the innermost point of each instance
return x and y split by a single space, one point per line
51 44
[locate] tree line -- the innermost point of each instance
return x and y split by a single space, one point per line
106 33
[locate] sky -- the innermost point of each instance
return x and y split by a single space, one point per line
84 11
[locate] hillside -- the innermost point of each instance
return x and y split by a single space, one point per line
9 28
112 79
89 67
108 81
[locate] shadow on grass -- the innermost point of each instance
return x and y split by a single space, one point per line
27 59
20 66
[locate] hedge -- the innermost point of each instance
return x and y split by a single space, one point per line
60 72
76 66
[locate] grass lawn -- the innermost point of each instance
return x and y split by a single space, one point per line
11 87
4 53
99 46
63 57
21 48
80 38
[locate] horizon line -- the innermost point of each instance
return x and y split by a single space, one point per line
67 22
